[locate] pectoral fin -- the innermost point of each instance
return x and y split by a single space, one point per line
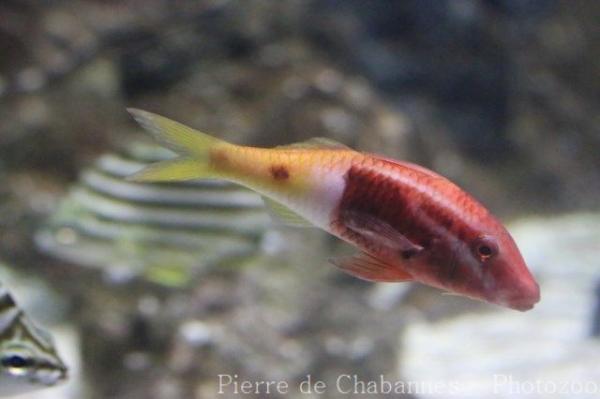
381 233
367 267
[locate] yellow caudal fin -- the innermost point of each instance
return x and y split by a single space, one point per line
192 145
178 169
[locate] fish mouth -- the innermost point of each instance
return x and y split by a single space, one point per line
522 306
522 300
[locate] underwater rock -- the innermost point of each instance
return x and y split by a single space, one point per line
508 352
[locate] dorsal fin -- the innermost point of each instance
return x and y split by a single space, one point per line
285 215
409 165
315 143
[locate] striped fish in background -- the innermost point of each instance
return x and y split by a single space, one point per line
28 357
162 233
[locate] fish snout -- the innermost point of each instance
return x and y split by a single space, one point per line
521 297
528 297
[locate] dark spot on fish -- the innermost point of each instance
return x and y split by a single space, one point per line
279 172
219 158
408 254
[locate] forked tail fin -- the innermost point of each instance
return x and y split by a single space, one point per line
193 146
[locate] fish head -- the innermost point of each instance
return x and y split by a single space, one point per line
507 279
489 266
25 369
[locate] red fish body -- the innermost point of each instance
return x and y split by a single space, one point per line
410 223
452 241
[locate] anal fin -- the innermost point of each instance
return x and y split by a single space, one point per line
284 215
369 268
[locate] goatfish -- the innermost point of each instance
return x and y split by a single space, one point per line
408 222
28 357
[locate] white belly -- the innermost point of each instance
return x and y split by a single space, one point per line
321 199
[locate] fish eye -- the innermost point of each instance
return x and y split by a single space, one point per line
485 247
16 364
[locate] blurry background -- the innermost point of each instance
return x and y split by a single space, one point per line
153 291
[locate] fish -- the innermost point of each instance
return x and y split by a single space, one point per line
169 235
408 222
28 357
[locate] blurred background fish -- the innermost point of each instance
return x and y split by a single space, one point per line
164 234
153 290
28 357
